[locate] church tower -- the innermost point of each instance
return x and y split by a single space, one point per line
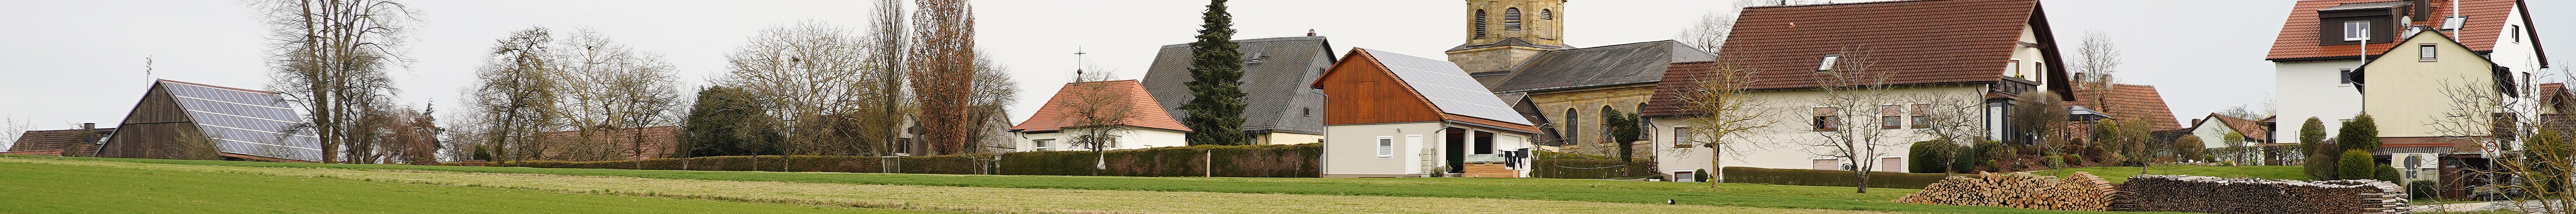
1503 33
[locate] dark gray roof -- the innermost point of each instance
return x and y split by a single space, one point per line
1513 41
1276 97
1631 63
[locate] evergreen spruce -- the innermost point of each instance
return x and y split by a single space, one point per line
1216 67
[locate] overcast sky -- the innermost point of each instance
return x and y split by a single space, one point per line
70 62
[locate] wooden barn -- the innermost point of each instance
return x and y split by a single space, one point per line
80 142
183 120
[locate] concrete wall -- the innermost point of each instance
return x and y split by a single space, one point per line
1128 138
1351 150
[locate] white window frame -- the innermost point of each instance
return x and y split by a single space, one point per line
2428 52
2356 30
1042 145
1385 146
1828 64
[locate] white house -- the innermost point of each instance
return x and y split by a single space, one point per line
1133 121
1393 115
1986 56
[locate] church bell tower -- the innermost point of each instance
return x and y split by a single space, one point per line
1503 33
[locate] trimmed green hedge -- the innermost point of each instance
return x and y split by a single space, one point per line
1300 160
1810 177
1589 169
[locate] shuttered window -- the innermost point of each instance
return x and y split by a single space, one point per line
1890 164
1891 117
1825 164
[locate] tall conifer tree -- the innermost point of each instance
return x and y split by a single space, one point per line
1216 106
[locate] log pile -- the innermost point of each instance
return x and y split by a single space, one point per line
2204 194
2081 192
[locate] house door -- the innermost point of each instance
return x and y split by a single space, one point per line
1456 149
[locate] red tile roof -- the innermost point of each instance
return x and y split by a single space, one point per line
2130 102
2298 38
659 141
62 139
2252 130
1061 111
1908 42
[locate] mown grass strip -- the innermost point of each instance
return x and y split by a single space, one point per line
1742 195
51 188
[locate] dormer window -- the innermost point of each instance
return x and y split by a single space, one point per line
1828 64
2357 30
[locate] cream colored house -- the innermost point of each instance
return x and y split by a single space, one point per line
1794 50
2430 94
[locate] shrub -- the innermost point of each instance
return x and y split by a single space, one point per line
2360 134
1930 156
2385 173
1700 175
1589 169
1839 178
2321 161
2188 148
2356 164
1978 155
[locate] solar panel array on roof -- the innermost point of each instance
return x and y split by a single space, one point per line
1448 87
244 122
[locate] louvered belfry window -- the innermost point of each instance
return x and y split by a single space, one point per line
1512 19
1480 24
1546 14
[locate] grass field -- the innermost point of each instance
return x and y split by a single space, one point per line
2117 174
54 188
984 193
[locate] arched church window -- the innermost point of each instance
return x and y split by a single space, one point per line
1546 14
1512 19
1480 24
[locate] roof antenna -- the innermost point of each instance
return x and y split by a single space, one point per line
147 68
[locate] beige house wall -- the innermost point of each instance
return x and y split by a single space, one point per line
2401 92
1128 138
1351 150
1276 138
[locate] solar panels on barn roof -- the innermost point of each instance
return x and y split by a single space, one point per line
1448 87
248 122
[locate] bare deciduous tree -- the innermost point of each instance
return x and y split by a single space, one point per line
1100 115
1719 108
614 90
890 40
1856 100
516 98
810 75
1709 34
331 55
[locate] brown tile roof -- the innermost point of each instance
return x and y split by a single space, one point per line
2555 95
2130 102
1908 42
61 139
2298 38
1060 111
2252 130
659 141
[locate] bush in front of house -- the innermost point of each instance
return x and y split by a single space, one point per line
2356 164
1589 169
1930 156
1839 178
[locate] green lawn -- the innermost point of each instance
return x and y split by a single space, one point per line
2117 174
1740 195
50 188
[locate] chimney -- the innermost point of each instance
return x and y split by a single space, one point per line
2195 121
88 126
2423 10
1310 32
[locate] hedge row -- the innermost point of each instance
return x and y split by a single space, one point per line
1298 160
1810 177
1590 169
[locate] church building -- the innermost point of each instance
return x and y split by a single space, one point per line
1517 50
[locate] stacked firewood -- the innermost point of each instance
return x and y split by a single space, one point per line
2204 194
2081 191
